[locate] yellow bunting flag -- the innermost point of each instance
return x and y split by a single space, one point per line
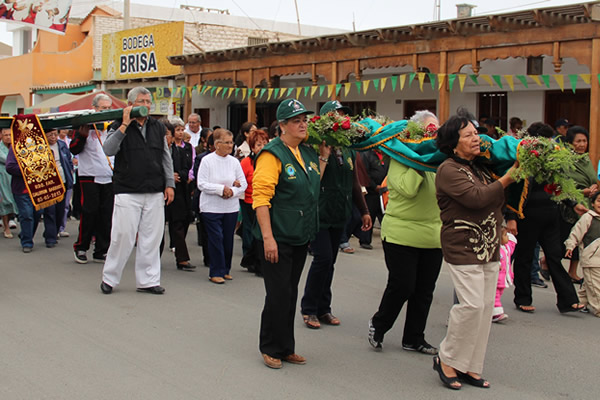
329 90
511 81
487 78
269 94
313 90
402 81
218 91
282 92
298 90
587 78
441 78
256 93
244 92
560 79
365 86
421 77
190 90
536 78
383 82
346 89
229 92
461 80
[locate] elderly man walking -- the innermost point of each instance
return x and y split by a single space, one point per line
194 127
143 182
95 178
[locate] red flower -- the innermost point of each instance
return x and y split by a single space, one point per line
535 153
408 135
335 127
552 188
346 124
431 128
315 118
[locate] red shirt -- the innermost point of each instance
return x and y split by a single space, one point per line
248 168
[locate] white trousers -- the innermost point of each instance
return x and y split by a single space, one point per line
470 320
141 214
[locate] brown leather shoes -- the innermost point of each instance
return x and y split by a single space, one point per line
228 277
271 362
217 280
295 359
329 319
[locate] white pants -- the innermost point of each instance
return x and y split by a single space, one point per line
142 214
470 320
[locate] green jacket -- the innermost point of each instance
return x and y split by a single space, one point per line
335 199
294 207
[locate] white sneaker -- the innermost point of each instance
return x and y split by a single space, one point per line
12 224
63 234
499 317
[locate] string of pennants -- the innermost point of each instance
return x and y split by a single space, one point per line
397 81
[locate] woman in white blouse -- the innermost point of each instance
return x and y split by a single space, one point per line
222 183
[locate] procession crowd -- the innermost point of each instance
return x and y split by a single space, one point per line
140 183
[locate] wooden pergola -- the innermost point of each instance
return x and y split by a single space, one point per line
442 47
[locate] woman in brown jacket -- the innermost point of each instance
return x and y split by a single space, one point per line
470 202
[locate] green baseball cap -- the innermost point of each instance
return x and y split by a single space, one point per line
290 108
334 105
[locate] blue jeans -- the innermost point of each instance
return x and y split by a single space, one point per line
28 219
53 217
220 229
535 265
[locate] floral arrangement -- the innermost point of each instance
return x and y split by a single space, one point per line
379 118
415 132
548 162
335 129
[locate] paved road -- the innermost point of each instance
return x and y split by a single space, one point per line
62 339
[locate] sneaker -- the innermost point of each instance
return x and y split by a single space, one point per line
80 256
585 310
499 317
12 224
377 345
538 282
424 348
98 258
63 234
27 249
366 246
545 274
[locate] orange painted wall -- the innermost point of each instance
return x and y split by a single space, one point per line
53 60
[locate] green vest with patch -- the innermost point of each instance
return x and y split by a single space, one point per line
335 199
294 207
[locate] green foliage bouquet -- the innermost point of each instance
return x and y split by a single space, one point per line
335 129
548 162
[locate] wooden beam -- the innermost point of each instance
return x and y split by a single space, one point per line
334 79
594 145
444 92
556 59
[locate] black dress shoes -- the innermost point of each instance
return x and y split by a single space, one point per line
106 288
186 267
152 290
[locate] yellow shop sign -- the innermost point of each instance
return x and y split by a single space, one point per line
142 52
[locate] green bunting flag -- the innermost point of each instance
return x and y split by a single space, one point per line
498 80
411 78
338 87
262 92
546 79
376 84
573 80
306 89
276 93
432 80
474 79
321 90
394 80
451 79
237 90
358 86
523 80
212 90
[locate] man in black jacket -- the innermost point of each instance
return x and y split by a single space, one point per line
143 181
377 168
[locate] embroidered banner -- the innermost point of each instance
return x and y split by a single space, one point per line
36 161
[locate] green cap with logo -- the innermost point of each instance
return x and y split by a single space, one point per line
290 108
334 105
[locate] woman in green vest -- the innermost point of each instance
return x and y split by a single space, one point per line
339 188
285 198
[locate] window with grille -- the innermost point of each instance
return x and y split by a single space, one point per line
253 41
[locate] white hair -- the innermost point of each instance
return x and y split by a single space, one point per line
176 121
195 115
99 97
135 92
421 115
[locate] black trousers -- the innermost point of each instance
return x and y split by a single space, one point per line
412 276
178 231
202 239
541 225
97 202
317 292
373 201
281 285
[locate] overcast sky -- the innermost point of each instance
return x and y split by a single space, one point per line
367 14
